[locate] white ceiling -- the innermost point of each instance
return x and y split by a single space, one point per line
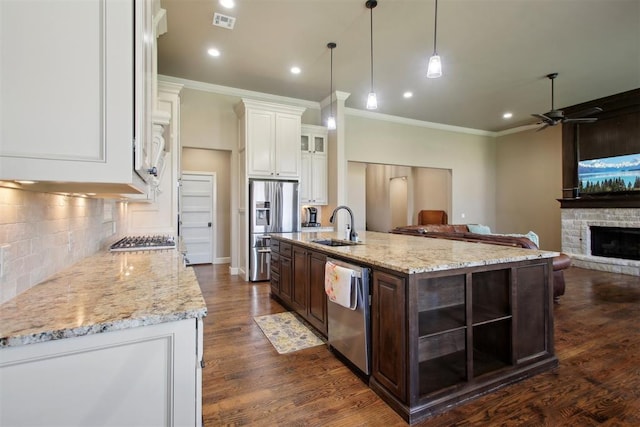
495 53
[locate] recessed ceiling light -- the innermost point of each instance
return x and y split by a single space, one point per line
229 4
507 115
407 94
213 52
295 70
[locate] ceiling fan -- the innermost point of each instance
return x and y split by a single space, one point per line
554 116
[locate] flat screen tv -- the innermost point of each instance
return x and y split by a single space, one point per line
619 174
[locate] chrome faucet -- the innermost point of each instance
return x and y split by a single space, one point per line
353 236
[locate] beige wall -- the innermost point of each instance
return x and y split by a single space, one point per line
471 159
218 161
529 180
357 176
207 120
487 174
431 190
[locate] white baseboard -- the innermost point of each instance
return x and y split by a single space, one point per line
234 271
223 260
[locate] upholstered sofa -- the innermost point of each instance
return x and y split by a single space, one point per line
461 232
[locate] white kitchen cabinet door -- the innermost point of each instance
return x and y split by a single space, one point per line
313 173
287 146
261 141
67 90
319 179
144 376
271 135
305 177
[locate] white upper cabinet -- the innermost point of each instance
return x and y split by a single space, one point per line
271 136
313 177
68 118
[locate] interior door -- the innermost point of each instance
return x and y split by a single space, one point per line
196 216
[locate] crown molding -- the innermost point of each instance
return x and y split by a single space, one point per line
170 87
413 122
243 93
240 93
337 95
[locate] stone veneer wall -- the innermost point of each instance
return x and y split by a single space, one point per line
41 234
576 237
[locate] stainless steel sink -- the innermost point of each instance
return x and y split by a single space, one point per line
334 242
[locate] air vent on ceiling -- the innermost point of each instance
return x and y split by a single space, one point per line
224 21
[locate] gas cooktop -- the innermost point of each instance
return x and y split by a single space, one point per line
143 243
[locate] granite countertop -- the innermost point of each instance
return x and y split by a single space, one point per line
415 254
104 292
317 229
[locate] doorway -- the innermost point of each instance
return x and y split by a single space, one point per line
398 201
197 215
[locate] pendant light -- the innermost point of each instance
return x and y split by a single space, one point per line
434 70
331 120
372 100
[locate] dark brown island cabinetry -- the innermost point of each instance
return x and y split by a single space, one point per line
443 331
317 309
440 338
388 329
297 280
300 291
281 270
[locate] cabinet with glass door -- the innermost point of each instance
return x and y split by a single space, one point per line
313 177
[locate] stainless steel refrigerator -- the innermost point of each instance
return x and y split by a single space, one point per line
274 207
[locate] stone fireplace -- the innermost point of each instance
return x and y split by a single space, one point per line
578 226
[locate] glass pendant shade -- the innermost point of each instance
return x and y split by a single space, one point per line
372 101
434 70
331 123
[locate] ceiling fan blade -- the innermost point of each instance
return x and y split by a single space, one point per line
581 120
542 127
544 118
587 112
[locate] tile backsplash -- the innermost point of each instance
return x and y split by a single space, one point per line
42 233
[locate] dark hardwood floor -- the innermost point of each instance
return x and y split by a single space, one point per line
246 382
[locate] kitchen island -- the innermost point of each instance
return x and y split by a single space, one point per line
450 320
114 339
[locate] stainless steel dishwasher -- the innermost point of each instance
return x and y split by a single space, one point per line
349 331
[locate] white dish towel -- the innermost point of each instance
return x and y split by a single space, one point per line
338 285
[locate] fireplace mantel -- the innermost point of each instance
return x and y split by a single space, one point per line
621 201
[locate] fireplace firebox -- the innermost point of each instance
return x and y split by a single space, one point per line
615 242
